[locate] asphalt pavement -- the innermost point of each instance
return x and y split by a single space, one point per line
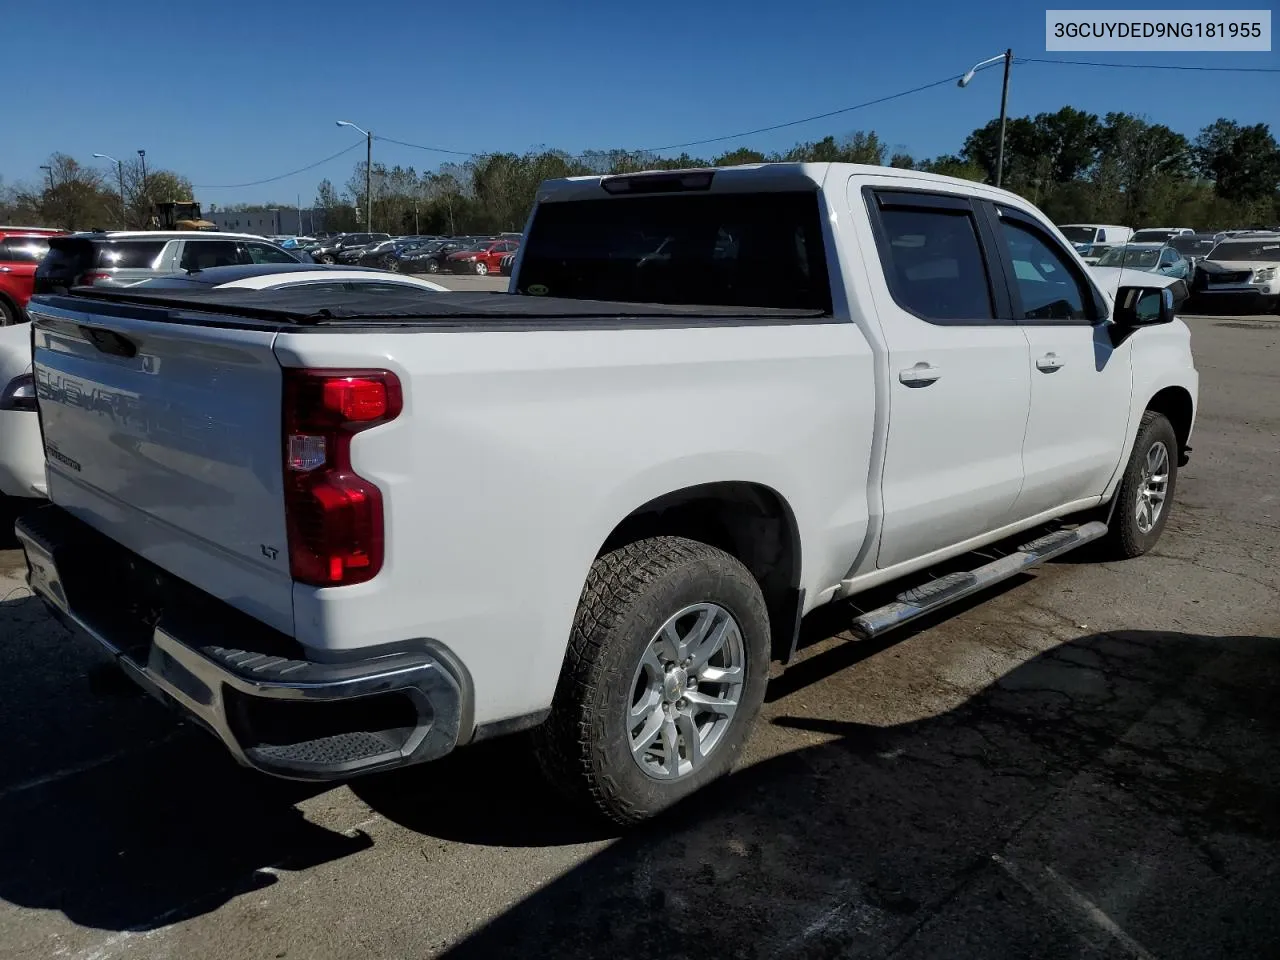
1085 764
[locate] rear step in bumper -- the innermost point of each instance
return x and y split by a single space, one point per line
394 710
956 586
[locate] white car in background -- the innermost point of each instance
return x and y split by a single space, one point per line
21 450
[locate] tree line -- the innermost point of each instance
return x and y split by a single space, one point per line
1078 167
75 196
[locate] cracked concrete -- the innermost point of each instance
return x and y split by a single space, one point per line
1085 765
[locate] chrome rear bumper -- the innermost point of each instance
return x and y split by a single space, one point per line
273 708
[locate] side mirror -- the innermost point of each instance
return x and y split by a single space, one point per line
1147 306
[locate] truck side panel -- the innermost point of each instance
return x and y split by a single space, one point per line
518 453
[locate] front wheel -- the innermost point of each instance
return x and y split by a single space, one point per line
1146 490
8 315
482 268
392 264
326 258
665 674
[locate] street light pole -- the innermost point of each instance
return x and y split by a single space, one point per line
368 173
146 197
124 217
1007 57
49 171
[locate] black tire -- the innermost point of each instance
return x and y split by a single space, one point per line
326 258
482 268
630 593
392 264
1126 539
9 314
433 266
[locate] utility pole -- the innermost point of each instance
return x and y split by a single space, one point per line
1004 112
1007 56
368 172
49 171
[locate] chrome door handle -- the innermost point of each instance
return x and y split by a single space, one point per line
6 269
1049 363
921 375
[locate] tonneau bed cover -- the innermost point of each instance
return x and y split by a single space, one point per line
302 306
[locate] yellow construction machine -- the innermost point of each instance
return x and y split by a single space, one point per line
179 215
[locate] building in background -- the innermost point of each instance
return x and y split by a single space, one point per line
284 221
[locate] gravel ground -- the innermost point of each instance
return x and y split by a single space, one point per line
1084 765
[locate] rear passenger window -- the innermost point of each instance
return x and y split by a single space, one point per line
130 254
203 254
23 249
265 253
934 265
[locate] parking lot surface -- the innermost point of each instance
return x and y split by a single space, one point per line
463 281
1086 764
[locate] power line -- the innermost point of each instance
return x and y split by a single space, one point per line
793 123
1150 66
418 146
758 130
283 176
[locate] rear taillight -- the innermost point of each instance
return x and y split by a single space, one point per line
89 279
333 515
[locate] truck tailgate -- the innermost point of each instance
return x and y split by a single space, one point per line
165 436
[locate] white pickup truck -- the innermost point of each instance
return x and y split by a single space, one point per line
350 533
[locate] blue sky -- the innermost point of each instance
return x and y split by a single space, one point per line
257 86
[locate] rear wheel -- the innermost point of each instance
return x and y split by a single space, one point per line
433 266
8 313
1146 490
392 264
326 258
664 676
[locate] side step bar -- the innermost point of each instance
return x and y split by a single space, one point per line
936 594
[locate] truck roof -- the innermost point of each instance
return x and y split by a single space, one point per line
749 178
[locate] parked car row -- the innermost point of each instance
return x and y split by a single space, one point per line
1232 271
478 255
22 472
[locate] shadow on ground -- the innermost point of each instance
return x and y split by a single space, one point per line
1118 794
114 812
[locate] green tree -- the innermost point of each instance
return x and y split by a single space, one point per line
740 155
1070 138
75 197
950 165
338 213
1243 162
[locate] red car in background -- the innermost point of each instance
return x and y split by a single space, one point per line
480 258
21 250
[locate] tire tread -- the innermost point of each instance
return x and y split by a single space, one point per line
568 740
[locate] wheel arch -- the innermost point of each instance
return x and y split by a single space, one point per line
1175 403
12 305
748 520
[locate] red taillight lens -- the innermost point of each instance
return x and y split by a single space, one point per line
334 516
89 279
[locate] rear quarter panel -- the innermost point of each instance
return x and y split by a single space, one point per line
519 452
